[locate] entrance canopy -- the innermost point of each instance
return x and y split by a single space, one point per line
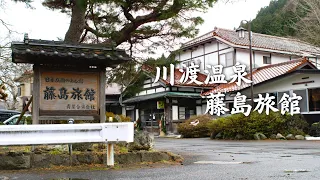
58 52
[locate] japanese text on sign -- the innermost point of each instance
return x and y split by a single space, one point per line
69 91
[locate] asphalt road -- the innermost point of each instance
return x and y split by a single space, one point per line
208 159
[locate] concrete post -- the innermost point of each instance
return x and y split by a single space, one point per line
110 155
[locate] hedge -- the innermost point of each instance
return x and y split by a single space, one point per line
239 125
201 130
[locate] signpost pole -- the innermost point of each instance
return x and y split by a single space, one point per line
70 121
36 94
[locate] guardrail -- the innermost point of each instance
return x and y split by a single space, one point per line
313 138
67 134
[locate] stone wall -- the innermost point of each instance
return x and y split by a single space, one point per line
14 161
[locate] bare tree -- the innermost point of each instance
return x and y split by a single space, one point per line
307 13
9 71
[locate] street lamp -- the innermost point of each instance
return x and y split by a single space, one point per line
241 34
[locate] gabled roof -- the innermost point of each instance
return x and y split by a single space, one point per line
177 76
58 52
259 42
263 74
24 76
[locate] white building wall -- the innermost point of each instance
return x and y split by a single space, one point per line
175 113
198 110
285 84
279 58
185 55
242 56
210 47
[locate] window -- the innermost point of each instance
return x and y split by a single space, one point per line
19 91
226 60
182 113
303 102
266 60
186 113
314 99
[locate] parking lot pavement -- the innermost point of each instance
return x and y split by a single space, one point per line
209 159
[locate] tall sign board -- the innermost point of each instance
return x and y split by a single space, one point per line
68 78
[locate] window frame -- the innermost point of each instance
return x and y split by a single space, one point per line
226 59
267 58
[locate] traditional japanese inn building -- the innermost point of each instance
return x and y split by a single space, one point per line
297 76
227 47
161 100
274 58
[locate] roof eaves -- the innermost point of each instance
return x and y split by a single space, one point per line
301 64
257 48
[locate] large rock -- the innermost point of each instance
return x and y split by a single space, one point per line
82 147
48 148
219 136
273 136
259 136
142 141
299 137
280 136
238 137
12 161
213 135
290 137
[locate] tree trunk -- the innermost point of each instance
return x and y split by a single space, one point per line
77 23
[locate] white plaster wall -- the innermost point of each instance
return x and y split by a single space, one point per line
211 59
160 90
279 58
142 93
26 89
243 57
315 62
198 51
222 46
124 111
184 55
285 84
175 115
137 114
151 91
198 110
211 47
204 108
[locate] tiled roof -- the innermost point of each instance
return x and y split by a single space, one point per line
43 51
259 42
262 74
177 76
24 76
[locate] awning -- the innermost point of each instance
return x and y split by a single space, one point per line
162 95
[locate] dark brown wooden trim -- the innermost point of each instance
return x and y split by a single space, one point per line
102 97
207 54
36 94
218 52
69 113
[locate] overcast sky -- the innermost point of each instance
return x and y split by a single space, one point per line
42 23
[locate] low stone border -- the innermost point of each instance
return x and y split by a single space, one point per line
16 160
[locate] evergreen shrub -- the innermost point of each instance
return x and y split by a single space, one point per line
238 124
200 130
